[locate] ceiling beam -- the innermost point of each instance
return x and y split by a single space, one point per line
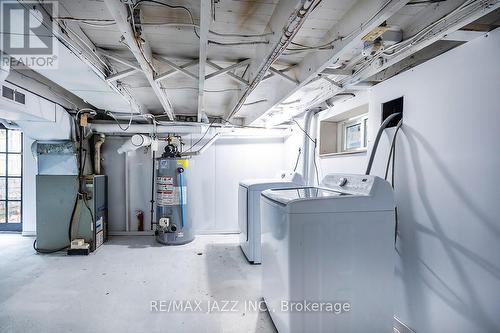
347 34
286 21
166 74
231 75
205 13
69 39
463 35
227 69
140 50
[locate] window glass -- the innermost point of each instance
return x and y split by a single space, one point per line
14 141
2 211
3 189
14 213
10 179
3 139
14 189
14 165
3 164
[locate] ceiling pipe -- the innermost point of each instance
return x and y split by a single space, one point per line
146 129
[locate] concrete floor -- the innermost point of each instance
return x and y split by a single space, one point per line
112 290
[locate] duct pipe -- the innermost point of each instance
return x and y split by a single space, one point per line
308 144
134 143
147 128
97 154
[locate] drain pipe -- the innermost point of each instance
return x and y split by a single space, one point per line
97 154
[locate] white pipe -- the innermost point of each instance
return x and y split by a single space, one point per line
306 156
97 154
127 195
134 143
147 129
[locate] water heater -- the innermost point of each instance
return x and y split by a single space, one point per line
173 218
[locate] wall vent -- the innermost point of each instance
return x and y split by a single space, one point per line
13 95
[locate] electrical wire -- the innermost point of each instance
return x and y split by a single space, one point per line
203 136
195 26
297 161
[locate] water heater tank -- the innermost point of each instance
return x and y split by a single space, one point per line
173 218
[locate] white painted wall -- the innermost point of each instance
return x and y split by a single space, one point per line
29 189
213 180
447 187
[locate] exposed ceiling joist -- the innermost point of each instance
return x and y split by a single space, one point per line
462 35
347 34
231 75
205 13
78 52
140 50
227 69
286 21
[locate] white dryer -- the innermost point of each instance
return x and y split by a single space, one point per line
332 246
249 210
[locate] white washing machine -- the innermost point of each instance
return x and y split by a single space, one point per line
249 210
332 246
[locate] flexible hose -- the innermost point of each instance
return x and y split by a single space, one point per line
377 139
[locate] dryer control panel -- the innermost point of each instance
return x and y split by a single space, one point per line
352 184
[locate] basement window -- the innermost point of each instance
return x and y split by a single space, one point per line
10 179
345 133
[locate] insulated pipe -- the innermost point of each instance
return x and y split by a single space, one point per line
306 156
377 139
134 143
145 128
97 154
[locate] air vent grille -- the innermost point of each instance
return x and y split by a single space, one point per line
13 95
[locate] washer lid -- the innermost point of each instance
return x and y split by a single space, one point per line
265 184
337 193
284 196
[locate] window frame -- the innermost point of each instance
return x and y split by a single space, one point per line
362 121
11 225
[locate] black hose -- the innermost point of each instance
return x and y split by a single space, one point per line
377 139
392 153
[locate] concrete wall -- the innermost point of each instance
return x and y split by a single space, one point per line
446 186
213 180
